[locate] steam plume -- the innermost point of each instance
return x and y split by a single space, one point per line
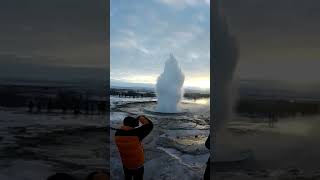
225 56
169 87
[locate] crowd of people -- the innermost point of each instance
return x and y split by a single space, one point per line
86 107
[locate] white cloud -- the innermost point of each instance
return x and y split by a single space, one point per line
133 20
194 55
183 3
113 11
199 17
129 41
130 44
127 33
181 38
147 37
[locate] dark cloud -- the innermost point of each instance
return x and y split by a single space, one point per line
272 13
19 69
275 33
274 21
65 33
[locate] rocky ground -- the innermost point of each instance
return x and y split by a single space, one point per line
36 145
175 148
289 151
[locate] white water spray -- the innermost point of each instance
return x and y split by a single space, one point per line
225 57
169 87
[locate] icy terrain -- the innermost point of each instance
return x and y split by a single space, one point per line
289 150
34 146
175 148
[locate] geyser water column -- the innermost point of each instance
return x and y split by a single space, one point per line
225 57
169 87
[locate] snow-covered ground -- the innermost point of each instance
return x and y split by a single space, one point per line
175 148
34 146
117 101
289 150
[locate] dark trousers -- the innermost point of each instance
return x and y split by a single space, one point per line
133 174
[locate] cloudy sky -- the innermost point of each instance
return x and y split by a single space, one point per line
143 33
278 39
53 40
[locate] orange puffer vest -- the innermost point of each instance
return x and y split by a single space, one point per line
131 150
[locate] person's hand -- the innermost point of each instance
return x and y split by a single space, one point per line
143 120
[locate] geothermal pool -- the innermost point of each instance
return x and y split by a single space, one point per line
175 148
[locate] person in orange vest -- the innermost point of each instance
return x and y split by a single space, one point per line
128 140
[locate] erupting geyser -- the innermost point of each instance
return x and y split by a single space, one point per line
169 87
225 57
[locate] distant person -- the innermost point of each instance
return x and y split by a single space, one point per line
206 175
38 106
128 139
86 107
64 108
272 119
49 106
76 109
275 118
31 105
92 108
61 176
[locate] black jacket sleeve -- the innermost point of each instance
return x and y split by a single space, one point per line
208 142
144 130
